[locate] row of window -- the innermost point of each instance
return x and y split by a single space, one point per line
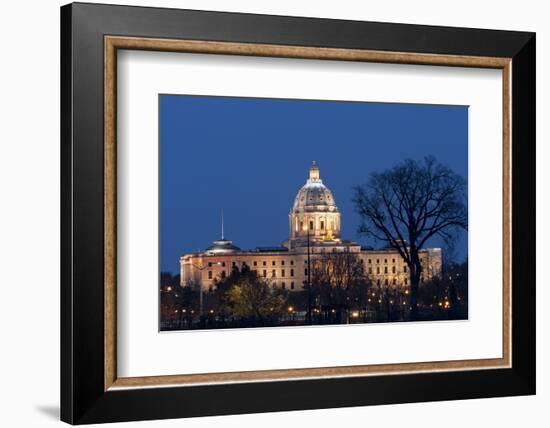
394 282
255 263
274 273
393 269
312 225
283 272
264 273
369 261
274 263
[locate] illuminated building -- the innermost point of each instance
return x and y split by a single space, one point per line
314 230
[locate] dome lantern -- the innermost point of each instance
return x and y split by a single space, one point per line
314 173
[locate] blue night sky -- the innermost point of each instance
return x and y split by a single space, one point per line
250 157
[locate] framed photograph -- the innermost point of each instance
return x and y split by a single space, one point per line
316 212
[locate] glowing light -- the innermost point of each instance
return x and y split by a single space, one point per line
355 314
168 288
290 309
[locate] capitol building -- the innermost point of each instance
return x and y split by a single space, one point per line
314 229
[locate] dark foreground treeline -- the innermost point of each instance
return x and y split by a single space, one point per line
245 300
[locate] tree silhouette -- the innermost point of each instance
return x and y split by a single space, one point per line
409 204
335 279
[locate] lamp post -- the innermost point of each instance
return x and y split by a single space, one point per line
201 297
309 278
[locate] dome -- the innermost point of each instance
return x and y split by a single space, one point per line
222 246
314 196
314 217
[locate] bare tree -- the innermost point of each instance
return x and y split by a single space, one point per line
409 204
336 278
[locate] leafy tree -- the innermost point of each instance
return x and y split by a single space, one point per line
409 204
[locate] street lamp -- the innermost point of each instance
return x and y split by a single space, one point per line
309 278
201 298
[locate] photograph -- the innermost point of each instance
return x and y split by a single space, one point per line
265 212
296 212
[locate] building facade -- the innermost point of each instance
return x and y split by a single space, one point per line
314 230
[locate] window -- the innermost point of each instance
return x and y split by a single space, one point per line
209 274
393 269
378 270
223 264
385 269
370 261
282 272
209 264
301 225
322 225
292 263
264 263
378 282
386 282
394 281
255 263
292 285
385 260
273 263
283 286
282 262
265 273
291 272
393 260
273 273
243 263
223 274
377 260
405 268
311 225
305 271
406 281
370 270
234 263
